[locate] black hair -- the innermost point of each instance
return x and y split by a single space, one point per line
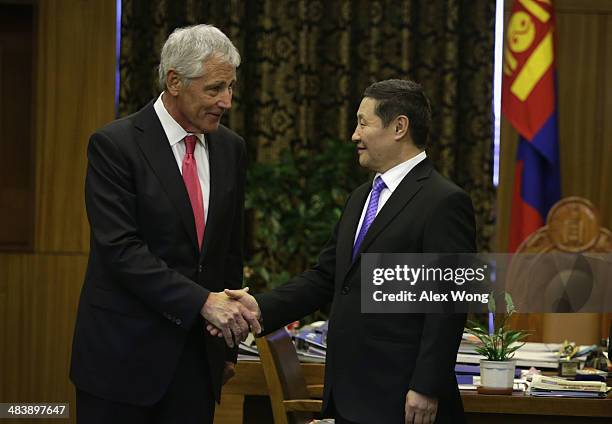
397 97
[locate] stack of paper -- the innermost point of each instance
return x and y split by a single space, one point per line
247 350
558 387
539 355
311 342
308 349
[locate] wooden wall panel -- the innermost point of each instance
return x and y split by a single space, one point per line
605 115
582 6
4 319
39 308
507 154
74 92
16 134
76 82
584 57
605 178
586 150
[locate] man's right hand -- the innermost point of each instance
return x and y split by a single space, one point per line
247 301
231 317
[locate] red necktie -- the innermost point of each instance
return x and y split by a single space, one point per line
192 183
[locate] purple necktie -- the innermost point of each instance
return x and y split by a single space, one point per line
370 214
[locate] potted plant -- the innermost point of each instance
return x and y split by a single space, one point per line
498 367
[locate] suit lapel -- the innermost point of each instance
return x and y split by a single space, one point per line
348 228
156 148
215 165
403 194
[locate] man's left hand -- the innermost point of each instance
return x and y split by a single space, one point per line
229 370
420 409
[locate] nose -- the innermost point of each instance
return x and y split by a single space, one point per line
356 136
225 99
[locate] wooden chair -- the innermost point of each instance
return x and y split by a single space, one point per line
573 226
292 400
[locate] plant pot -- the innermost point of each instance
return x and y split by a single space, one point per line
497 377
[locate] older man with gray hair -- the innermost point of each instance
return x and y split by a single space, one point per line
164 195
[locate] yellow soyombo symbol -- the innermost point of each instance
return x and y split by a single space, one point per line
521 32
521 35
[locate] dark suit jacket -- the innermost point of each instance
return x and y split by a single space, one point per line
146 279
374 359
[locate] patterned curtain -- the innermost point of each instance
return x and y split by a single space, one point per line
305 64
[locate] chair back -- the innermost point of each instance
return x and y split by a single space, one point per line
284 376
572 226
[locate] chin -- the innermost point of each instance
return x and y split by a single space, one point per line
363 161
207 128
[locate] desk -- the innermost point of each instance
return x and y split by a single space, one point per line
518 408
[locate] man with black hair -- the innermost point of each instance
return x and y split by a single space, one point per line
384 368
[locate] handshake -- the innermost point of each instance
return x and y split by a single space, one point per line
231 314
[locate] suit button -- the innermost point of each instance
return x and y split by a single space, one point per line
200 268
345 290
178 321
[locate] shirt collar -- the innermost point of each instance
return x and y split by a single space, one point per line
394 176
174 132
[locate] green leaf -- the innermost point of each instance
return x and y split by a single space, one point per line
264 274
509 304
491 303
501 344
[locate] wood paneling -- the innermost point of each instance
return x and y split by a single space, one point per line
584 58
507 155
38 301
75 88
16 134
605 178
582 6
74 95
585 147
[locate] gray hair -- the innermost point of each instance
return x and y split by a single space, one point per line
187 48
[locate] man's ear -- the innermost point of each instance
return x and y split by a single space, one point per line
173 82
401 127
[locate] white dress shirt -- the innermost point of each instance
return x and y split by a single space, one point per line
176 134
392 178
